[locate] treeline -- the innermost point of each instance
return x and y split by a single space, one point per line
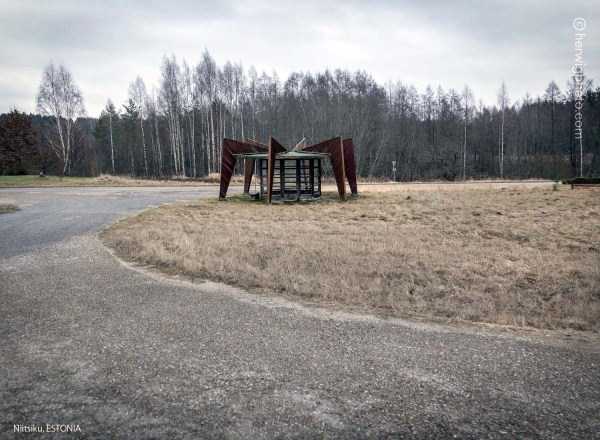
176 127
26 145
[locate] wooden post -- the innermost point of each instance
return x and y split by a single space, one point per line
311 173
319 175
274 148
282 178
298 184
248 171
260 176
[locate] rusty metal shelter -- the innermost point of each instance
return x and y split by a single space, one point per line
288 174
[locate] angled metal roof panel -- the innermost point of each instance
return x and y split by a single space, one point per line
286 155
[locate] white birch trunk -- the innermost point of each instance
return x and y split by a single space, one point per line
192 140
112 145
502 146
144 149
465 153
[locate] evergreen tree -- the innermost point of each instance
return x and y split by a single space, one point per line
17 140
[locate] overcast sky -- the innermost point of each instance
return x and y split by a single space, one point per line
480 43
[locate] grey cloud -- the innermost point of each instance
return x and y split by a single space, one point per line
107 44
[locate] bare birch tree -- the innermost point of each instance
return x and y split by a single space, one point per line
188 99
239 89
171 105
152 107
59 97
502 103
252 75
111 111
137 92
207 77
467 102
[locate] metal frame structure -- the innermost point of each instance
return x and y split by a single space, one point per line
296 176
340 152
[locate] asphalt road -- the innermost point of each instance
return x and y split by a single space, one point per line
87 341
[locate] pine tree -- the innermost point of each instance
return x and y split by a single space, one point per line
17 138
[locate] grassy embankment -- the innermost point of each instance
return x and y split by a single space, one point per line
513 255
30 181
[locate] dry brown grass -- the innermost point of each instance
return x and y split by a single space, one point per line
446 186
511 256
107 180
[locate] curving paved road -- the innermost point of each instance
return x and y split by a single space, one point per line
86 340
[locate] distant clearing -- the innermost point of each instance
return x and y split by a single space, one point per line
517 256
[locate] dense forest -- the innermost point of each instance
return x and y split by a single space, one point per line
175 128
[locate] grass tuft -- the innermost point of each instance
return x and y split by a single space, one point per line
7 208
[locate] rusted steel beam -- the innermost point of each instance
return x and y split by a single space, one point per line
229 149
274 148
265 147
350 165
248 172
334 147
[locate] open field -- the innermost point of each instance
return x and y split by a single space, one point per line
103 180
34 181
516 256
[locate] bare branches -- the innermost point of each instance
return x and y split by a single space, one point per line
437 134
59 97
503 101
138 94
467 100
